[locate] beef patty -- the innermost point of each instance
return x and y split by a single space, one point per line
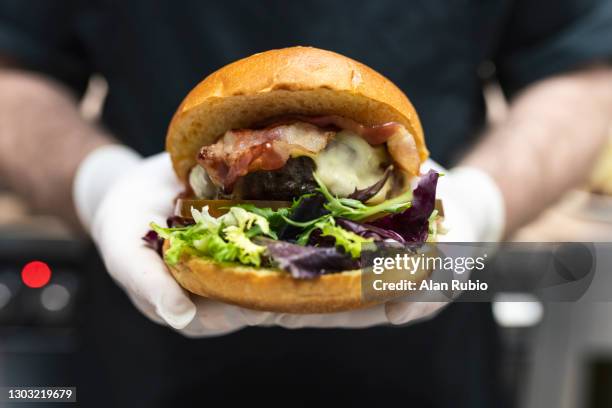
292 181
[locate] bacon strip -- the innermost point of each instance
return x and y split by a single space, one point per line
243 151
374 135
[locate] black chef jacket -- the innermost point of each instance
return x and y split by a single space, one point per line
153 52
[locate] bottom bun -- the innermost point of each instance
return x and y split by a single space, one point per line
272 289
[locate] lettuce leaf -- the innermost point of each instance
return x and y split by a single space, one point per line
413 223
225 239
153 241
304 210
245 220
248 252
318 234
347 240
210 243
369 231
354 209
307 262
274 218
365 194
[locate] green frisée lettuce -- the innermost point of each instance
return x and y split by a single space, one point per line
274 218
249 253
349 241
225 239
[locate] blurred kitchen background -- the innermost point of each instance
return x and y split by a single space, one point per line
556 355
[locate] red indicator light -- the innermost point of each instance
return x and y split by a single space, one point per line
36 274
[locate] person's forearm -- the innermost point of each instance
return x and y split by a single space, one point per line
43 139
548 142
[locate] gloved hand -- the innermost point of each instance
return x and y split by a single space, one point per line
473 212
473 205
117 195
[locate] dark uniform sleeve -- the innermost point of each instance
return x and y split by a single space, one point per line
548 37
40 35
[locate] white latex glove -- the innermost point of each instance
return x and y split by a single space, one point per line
473 212
474 208
117 195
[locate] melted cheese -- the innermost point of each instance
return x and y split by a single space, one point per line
349 162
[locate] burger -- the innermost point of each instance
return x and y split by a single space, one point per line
293 161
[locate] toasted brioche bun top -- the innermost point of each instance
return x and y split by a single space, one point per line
296 80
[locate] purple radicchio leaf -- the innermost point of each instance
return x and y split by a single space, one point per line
369 231
365 194
309 208
153 241
307 262
316 238
413 223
